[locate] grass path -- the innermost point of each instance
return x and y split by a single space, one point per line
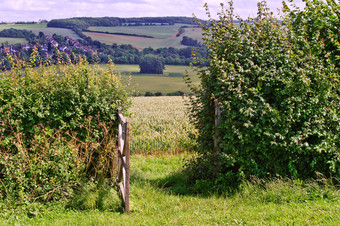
157 199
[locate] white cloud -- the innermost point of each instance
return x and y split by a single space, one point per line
21 10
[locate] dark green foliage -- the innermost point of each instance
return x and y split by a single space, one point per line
69 23
151 64
187 41
85 22
17 33
119 33
277 89
181 30
149 94
177 93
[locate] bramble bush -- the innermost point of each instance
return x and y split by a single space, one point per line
277 86
57 126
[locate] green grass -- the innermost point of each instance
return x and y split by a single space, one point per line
12 41
36 28
164 36
160 32
21 26
137 42
160 196
170 81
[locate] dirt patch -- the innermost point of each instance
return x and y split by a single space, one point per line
174 36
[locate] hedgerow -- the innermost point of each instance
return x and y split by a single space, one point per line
277 89
57 127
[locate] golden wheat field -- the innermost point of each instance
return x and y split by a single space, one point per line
160 124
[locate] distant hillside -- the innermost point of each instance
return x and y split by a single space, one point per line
82 23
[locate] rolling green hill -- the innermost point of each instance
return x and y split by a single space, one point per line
155 32
36 28
163 36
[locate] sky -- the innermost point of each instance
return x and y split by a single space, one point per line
35 10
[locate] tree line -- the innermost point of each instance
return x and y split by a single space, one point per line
119 54
81 23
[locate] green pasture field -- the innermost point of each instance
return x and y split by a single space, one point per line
157 31
22 26
171 81
137 42
12 41
59 31
36 28
164 36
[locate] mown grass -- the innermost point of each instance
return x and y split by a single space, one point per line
154 31
170 81
160 195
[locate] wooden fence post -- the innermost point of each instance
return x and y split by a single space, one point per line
123 155
216 138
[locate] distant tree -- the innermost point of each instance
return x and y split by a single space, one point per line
149 94
151 64
148 50
187 41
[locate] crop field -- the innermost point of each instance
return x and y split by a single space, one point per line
194 33
36 28
164 36
160 125
171 81
161 32
12 41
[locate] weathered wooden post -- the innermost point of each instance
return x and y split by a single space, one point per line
123 155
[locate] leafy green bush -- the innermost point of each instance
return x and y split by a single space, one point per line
278 99
57 125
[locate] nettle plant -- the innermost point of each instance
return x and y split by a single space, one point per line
278 100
